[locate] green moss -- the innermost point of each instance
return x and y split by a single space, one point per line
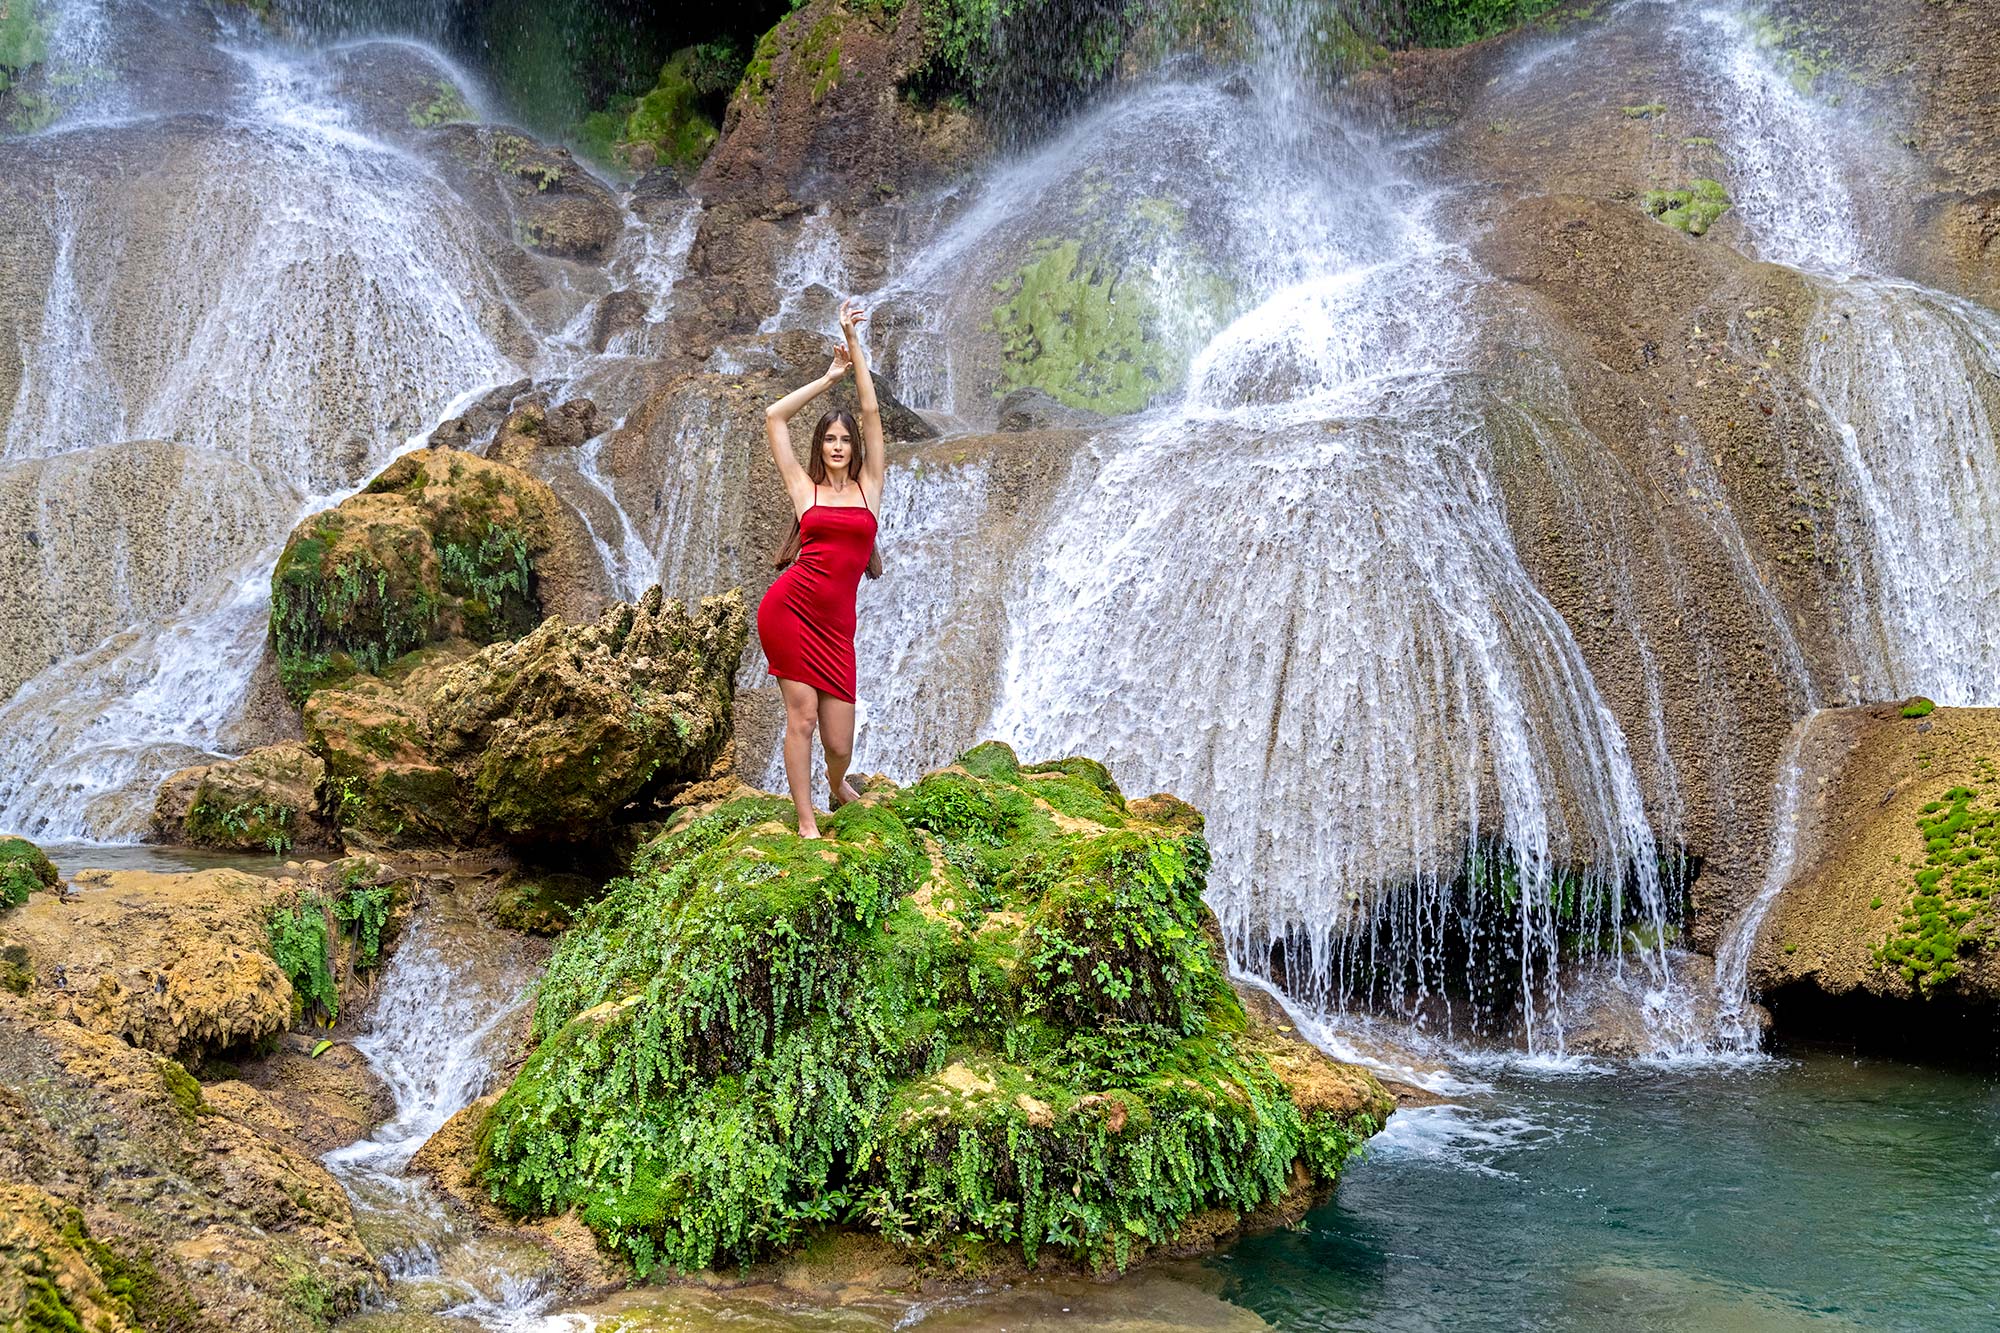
543 904
961 1021
1644 111
1692 209
23 869
1918 708
1799 49
17 969
182 1087
1950 911
670 116
1457 22
447 106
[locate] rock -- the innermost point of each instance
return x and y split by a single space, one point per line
121 1174
321 1102
477 423
534 425
543 739
266 800
440 545
1033 409
51 1268
818 116
179 964
549 203
1888 926
1021 918
23 869
542 902
146 526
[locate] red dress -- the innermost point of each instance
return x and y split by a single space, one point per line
806 620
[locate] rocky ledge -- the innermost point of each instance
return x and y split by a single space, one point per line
1887 929
986 1020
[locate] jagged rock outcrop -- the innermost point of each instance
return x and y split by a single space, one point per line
176 964
1890 921
133 1196
968 990
546 738
441 545
268 800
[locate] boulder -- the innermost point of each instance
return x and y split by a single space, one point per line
534 425
130 1191
268 800
543 739
177 964
1891 918
440 545
962 990
24 868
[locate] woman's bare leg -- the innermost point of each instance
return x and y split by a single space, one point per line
801 715
836 734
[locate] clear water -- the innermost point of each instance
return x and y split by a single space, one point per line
1821 1191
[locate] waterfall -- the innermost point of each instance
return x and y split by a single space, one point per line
313 297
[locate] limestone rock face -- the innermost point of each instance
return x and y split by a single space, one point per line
441 544
177 964
1895 899
159 1202
266 800
818 114
964 989
545 738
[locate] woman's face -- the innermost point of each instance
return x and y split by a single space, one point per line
836 447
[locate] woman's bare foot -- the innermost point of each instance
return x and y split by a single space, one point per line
845 794
809 832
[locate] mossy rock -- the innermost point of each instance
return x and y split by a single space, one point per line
1693 208
543 903
983 1011
440 545
23 869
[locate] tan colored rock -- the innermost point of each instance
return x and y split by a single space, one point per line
101 538
230 1228
1869 774
43 1245
320 1102
546 738
267 800
177 964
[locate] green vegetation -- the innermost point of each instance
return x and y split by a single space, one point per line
210 824
23 869
24 39
303 934
446 107
360 587
1088 318
1692 208
1644 111
1799 49
1918 708
542 904
1456 22
1949 911
982 1014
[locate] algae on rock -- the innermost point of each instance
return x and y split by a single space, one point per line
23 869
983 1016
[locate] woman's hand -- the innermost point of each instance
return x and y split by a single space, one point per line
852 317
842 363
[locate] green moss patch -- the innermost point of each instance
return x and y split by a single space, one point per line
23 869
1918 708
1692 208
972 1017
24 39
1950 912
447 106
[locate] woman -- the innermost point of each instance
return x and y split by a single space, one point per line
806 620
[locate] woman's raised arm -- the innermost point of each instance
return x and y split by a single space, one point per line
874 458
778 431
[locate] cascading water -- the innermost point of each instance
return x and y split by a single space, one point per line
1910 377
443 1021
313 297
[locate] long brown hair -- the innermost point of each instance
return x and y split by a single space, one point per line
817 470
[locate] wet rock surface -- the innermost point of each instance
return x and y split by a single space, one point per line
267 800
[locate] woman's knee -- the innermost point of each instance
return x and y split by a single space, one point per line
801 721
836 752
